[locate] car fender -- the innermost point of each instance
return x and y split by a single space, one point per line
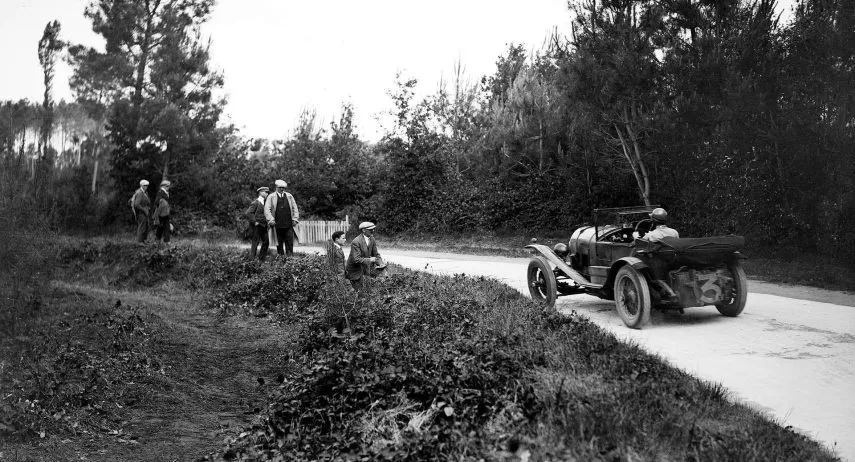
634 262
562 266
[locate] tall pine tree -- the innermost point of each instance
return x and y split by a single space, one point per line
155 77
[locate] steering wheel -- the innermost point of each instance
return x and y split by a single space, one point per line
643 227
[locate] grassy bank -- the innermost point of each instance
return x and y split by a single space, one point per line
115 359
779 265
431 368
441 368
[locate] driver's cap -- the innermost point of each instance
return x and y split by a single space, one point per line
659 214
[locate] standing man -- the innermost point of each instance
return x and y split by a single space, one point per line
335 253
363 257
280 210
163 229
258 223
141 206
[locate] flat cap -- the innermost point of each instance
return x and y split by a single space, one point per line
263 189
281 184
165 183
366 225
143 182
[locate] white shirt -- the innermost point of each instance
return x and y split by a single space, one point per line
260 200
660 232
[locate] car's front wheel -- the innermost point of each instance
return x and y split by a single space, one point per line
735 300
541 282
632 297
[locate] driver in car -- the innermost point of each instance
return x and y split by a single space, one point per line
660 227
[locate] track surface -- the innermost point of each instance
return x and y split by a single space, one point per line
790 354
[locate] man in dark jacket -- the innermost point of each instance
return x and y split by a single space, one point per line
258 223
335 254
162 212
141 205
364 259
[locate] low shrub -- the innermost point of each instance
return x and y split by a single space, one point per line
65 383
436 368
420 367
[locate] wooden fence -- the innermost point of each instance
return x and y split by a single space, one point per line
309 232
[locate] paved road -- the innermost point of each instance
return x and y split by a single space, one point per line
788 354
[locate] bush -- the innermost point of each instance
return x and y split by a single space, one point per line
421 367
438 368
64 385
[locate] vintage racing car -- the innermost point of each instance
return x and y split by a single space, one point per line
612 260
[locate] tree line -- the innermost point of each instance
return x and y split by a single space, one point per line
716 110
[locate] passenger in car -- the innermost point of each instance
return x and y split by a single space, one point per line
661 229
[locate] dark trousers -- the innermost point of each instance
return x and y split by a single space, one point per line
259 234
142 226
163 231
285 236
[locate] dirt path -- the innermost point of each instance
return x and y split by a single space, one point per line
210 389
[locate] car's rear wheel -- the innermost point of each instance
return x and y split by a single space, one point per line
735 300
632 297
541 282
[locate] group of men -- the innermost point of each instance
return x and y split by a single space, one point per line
272 218
158 218
363 261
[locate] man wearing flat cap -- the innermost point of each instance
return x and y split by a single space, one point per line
363 257
258 223
280 210
141 205
162 212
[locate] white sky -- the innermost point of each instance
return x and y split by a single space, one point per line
280 56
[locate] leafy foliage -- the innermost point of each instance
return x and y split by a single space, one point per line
418 367
66 386
436 368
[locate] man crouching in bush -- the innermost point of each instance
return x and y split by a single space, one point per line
364 259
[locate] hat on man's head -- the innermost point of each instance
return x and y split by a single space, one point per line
659 215
281 184
366 225
143 182
263 189
165 183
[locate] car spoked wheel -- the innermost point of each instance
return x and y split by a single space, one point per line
632 297
541 282
738 294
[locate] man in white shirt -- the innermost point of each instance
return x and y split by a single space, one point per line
661 229
282 215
